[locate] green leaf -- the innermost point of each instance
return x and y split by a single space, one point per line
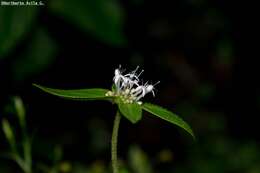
100 18
9 134
15 23
168 116
132 111
78 94
20 111
8 131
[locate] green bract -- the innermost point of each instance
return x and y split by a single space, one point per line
131 111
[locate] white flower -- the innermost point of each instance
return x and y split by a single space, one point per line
127 86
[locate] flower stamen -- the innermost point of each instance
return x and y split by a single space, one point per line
127 86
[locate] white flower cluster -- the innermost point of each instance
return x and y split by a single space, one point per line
127 86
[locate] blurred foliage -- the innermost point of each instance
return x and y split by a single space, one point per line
20 151
102 18
21 144
213 153
15 23
139 160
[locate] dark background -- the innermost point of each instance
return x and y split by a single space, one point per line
194 47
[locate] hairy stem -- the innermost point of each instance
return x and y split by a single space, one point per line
114 143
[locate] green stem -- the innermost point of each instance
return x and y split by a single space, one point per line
114 143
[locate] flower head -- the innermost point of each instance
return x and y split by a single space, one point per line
128 87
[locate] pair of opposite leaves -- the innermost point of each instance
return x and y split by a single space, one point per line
132 111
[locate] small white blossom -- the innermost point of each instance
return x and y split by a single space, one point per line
127 86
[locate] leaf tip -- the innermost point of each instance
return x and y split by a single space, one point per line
36 85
